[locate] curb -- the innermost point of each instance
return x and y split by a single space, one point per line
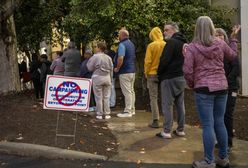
33 150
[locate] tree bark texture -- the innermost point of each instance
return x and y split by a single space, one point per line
9 73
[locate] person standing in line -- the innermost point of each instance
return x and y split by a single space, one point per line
172 82
58 67
204 72
153 53
22 72
35 76
112 100
232 71
44 71
102 67
126 70
72 59
85 73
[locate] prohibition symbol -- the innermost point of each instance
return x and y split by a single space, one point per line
76 89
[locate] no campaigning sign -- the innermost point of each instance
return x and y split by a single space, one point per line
67 93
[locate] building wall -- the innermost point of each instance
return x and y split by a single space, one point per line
239 18
231 4
244 46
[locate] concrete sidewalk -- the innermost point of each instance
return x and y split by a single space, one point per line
138 143
33 150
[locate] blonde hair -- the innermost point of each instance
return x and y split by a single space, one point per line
204 31
222 32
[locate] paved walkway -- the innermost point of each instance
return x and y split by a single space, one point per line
138 143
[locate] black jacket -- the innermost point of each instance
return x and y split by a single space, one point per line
171 60
232 70
35 74
45 70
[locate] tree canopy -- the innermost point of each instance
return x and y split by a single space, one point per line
86 20
35 21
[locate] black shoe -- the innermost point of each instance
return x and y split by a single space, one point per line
154 124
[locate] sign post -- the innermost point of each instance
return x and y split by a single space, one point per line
68 94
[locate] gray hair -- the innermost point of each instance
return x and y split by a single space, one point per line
71 44
174 25
204 31
124 32
222 32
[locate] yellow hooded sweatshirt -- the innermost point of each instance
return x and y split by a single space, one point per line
154 51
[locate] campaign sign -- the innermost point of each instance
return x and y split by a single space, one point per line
67 93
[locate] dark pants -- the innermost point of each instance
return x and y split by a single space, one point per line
38 88
92 98
172 92
230 107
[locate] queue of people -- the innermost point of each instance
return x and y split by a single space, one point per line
209 65
204 72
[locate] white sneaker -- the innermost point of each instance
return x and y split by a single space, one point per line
164 135
203 164
124 114
222 162
107 117
99 117
133 113
91 109
179 133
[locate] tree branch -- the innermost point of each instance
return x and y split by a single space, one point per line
10 10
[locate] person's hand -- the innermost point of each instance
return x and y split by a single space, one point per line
235 31
116 70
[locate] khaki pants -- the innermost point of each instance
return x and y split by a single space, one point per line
152 85
102 91
127 88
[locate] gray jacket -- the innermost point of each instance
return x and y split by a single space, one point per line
72 59
100 64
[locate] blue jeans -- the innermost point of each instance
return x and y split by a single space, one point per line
211 110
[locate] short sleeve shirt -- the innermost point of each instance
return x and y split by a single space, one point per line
121 50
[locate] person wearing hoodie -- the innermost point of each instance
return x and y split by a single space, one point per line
172 82
102 67
153 53
204 72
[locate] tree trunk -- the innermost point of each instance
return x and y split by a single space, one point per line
9 73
